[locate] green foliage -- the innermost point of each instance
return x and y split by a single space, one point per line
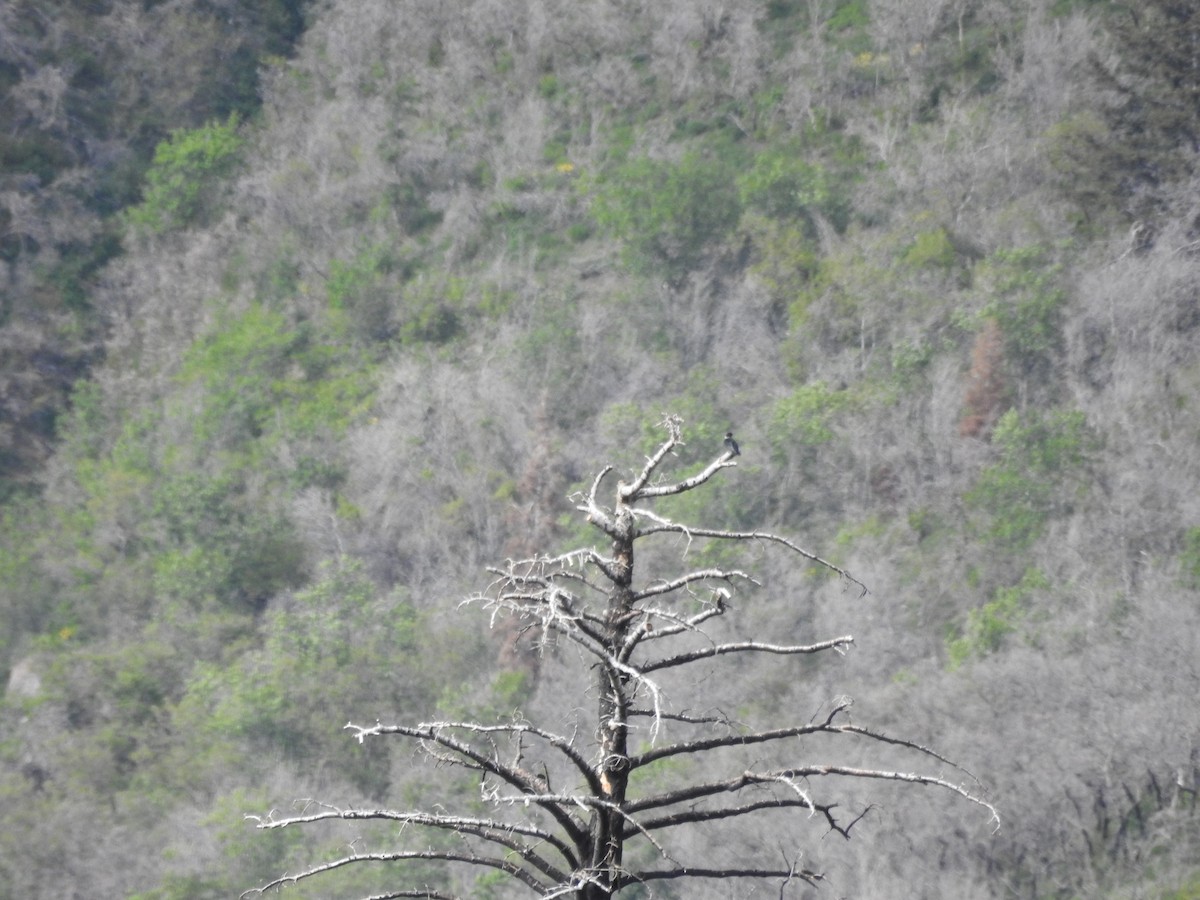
1027 300
86 92
780 183
930 249
247 855
262 378
181 183
989 626
781 23
433 310
668 213
909 360
120 696
813 174
925 523
786 257
1189 559
27 596
410 200
195 522
804 417
511 690
491 886
507 692
800 433
550 345
1016 504
963 60
1040 455
69 280
857 298
849 14
236 366
1188 891
848 25
1050 444
363 292
871 529
338 638
219 547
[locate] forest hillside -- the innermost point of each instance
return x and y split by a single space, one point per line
310 311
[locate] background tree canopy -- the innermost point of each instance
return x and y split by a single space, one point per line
308 312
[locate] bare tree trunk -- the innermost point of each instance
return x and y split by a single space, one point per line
612 728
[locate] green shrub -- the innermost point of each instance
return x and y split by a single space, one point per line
1026 300
235 366
362 290
988 627
247 856
930 250
849 14
786 258
69 279
803 418
336 639
806 177
1046 443
432 311
780 183
669 212
1019 493
1189 559
181 182
259 377
220 547
1190 890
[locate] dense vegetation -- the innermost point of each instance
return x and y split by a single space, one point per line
311 311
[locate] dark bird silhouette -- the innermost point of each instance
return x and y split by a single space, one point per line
731 445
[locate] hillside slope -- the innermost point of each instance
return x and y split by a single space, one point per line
933 262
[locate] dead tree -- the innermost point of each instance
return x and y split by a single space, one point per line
561 825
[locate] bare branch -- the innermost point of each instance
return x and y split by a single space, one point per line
910 777
734 739
726 872
748 646
437 733
664 526
686 624
666 587
489 830
679 487
695 815
702 791
559 742
721 719
789 779
596 514
633 491
503 865
900 742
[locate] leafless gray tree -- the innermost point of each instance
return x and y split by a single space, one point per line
562 807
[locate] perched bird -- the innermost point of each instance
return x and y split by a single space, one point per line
731 445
